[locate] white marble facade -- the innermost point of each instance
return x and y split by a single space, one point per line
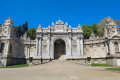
46 37
59 41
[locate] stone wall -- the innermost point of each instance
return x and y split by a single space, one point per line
19 50
96 48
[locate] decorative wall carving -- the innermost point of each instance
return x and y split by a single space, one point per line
44 46
74 44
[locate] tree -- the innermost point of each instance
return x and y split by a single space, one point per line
97 30
25 27
87 29
100 32
18 31
21 29
102 24
118 22
94 28
32 33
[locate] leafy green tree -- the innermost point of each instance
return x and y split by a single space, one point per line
25 27
87 29
32 33
100 32
97 30
18 31
94 28
21 29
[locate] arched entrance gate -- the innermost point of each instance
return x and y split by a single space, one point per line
59 49
59 42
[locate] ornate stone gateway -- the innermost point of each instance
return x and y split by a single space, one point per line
59 42
59 49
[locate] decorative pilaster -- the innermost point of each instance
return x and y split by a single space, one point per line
107 48
49 46
81 42
37 47
4 62
111 48
79 48
8 45
27 52
40 47
70 39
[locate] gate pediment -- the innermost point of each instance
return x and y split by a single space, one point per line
59 26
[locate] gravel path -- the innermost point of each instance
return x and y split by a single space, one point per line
58 70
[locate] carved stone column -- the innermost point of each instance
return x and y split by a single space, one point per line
37 46
6 54
106 48
79 48
8 46
81 45
40 47
70 39
49 46
111 47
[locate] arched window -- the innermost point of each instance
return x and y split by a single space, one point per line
2 47
116 47
10 48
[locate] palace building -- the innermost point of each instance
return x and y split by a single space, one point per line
59 41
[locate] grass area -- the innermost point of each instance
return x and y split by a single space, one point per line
103 65
16 66
113 69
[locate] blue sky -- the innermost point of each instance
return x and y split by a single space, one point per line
45 12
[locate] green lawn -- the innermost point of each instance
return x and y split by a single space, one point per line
113 69
103 65
16 66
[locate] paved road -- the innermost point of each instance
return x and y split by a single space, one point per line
58 70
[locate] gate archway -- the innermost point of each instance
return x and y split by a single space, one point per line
59 49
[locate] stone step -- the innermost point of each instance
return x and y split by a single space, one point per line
62 57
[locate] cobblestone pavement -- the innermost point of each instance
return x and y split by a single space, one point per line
58 70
